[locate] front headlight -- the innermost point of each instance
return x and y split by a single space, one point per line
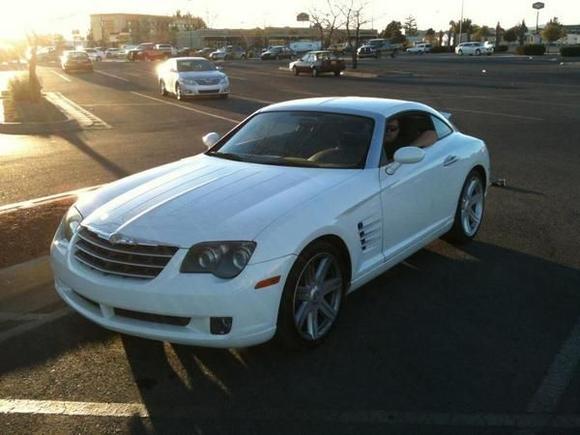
188 81
71 223
223 259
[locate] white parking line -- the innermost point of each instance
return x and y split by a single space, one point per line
558 378
191 109
252 99
45 199
61 76
505 115
384 417
113 76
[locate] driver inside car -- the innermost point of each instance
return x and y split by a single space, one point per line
407 132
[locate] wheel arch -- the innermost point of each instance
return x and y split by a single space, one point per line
341 245
481 171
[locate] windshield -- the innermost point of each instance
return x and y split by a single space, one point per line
194 65
308 139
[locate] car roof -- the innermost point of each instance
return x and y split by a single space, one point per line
352 105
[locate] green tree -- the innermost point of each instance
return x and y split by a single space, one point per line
521 31
553 30
393 32
482 33
410 26
498 34
511 35
430 35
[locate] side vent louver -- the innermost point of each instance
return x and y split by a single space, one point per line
369 233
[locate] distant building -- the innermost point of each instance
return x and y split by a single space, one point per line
116 29
257 37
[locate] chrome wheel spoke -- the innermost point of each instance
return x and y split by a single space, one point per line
302 314
312 324
331 286
476 198
322 269
473 215
327 310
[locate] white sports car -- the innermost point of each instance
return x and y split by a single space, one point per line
266 232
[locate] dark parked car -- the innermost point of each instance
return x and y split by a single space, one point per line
318 62
277 52
76 61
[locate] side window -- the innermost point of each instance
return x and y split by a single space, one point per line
441 128
407 129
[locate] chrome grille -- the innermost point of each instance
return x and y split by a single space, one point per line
127 260
207 82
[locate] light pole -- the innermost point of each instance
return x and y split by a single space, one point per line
460 23
537 6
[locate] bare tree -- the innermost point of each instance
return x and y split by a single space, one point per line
326 21
354 19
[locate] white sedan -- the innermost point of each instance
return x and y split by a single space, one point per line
474 48
192 76
266 233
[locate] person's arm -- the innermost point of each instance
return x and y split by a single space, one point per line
428 137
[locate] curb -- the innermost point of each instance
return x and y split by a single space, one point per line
68 124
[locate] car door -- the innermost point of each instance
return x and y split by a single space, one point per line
411 197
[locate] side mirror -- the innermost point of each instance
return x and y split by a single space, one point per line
210 139
408 155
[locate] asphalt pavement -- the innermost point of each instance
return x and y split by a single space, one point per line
483 338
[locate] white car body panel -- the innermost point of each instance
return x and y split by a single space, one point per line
380 218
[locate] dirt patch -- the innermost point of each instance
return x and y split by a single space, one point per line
27 233
31 111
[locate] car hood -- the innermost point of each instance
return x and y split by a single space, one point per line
208 199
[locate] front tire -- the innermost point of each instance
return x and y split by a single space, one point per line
312 297
162 89
178 93
470 209
314 72
460 52
295 70
477 52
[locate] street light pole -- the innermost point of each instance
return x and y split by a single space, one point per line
537 6
461 22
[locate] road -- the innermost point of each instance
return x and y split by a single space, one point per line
483 338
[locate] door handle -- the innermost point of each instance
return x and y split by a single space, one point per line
449 160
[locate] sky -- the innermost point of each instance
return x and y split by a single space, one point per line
62 16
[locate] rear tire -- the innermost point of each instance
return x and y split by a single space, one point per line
477 52
470 209
178 93
313 296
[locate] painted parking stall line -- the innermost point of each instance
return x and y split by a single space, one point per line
65 78
384 417
191 109
113 76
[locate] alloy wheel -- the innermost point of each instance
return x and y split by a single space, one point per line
472 206
317 296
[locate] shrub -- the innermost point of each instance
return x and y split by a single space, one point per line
501 48
572 50
20 88
443 49
531 49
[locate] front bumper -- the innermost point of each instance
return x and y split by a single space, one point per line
196 297
194 90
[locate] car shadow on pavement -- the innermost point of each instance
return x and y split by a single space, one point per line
450 330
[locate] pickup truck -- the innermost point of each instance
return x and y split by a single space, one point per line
378 48
147 51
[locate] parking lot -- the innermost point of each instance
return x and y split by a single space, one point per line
483 338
